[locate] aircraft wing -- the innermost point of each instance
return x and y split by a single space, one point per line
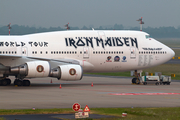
63 60
9 56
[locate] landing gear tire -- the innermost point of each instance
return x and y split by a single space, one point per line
9 81
4 82
145 83
157 83
136 81
18 82
26 83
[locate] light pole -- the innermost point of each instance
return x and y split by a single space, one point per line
141 22
9 27
67 26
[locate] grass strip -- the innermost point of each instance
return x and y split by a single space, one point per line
36 111
132 113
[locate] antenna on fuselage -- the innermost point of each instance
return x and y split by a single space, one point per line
9 27
141 22
67 26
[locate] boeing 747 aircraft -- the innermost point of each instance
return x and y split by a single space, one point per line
66 55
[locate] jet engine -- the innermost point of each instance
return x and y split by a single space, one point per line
32 69
43 69
67 72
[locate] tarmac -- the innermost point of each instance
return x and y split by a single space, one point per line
173 61
106 92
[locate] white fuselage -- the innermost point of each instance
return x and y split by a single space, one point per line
96 51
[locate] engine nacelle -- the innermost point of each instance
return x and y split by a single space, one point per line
43 69
38 69
67 72
32 69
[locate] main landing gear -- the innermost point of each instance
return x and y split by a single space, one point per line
5 81
136 80
18 82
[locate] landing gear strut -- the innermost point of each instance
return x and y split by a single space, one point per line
136 80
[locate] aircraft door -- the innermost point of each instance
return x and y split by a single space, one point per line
133 53
24 51
86 53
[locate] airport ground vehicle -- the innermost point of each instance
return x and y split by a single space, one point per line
156 80
150 80
165 80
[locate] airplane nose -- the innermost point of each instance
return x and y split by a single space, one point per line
172 53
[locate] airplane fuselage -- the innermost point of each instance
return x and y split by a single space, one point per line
96 51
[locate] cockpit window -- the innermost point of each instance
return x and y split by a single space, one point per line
147 36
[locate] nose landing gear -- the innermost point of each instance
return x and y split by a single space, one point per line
136 80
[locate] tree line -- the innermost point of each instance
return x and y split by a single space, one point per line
161 32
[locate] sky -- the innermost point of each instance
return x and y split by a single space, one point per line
90 13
